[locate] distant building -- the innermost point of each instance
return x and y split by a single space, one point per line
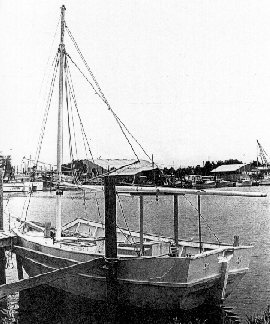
125 170
232 172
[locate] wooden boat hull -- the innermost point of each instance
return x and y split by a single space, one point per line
22 186
151 282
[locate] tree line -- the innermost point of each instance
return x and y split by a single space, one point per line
204 170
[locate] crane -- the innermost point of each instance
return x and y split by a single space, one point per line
262 154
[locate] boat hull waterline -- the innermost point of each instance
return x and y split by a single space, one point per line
158 282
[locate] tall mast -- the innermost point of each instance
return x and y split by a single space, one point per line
60 125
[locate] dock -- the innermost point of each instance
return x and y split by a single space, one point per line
7 239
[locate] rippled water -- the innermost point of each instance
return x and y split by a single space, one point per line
224 217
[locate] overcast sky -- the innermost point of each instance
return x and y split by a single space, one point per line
189 79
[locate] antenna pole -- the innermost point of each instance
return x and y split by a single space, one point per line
60 127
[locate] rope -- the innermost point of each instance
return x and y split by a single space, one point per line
76 106
102 96
210 229
69 131
45 118
70 96
109 107
123 214
98 208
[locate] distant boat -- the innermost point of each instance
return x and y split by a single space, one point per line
201 182
19 186
264 179
245 182
101 261
221 183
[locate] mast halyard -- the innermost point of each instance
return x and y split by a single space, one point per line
60 127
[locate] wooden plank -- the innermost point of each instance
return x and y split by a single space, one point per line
141 226
6 240
176 221
2 266
45 278
179 191
111 246
49 260
1 201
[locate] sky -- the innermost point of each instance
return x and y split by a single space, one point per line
190 80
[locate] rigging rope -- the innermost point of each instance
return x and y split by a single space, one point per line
114 114
123 214
210 229
70 96
71 87
57 58
102 96
69 131
100 93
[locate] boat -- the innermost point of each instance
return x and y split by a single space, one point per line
220 183
18 182
101 261
244 182
200 182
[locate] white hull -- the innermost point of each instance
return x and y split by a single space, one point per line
13 187
156 280
22 186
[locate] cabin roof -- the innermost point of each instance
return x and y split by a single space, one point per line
133 168
124 167
228 168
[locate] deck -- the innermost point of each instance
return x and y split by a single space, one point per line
7 239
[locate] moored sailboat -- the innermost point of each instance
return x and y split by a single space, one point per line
97 260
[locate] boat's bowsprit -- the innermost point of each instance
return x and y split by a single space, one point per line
51 275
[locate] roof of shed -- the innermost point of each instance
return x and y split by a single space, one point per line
228 168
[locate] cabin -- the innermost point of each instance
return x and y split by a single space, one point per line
126 171
232 172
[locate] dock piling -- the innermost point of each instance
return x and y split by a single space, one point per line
2 249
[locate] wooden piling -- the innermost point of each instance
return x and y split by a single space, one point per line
2 249
47 230
176 221
1 201
19 267
141 226
111 247
199 221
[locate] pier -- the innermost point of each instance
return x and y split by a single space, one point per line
7 239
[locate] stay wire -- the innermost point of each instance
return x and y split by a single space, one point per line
109 107
45 118
210 229
79 117
84 137
101 94
125 220
43 121
71 108
69 131
45 71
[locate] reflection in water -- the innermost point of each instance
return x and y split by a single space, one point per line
46 305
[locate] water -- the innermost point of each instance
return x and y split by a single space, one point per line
224 217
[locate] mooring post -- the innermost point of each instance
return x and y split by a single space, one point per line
199 219
141 226
1 201
19 267
111 247
176 223
2 250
